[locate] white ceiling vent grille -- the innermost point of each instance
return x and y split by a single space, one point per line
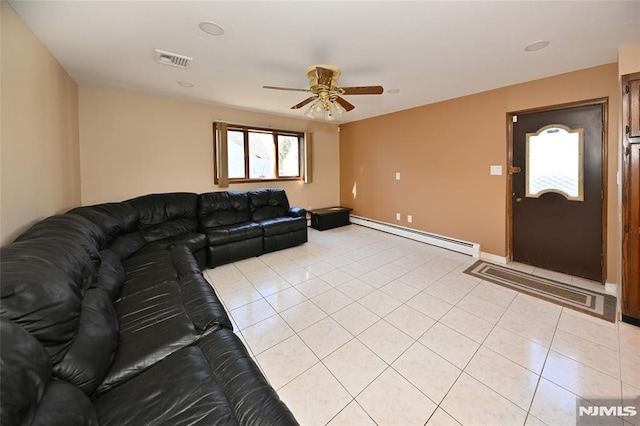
172 59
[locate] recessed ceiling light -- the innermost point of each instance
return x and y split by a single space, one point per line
211 28
185 84
538 45
392 91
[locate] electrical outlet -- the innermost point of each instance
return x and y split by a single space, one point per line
409 218
397 175
398 216
495 170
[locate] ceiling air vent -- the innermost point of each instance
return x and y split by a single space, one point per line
172 59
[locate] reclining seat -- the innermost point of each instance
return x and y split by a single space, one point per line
225 218
282 226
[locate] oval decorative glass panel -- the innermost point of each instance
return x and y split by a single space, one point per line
555 162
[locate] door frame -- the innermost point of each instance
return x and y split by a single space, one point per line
627 141
605 133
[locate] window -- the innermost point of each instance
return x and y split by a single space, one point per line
555 162
255 154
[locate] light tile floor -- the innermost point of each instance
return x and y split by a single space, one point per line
360 327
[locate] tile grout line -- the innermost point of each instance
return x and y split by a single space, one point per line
388 365
544 363
319 251
463 370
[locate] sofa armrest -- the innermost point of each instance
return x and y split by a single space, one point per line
296 212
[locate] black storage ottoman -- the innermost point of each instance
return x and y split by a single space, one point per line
329 218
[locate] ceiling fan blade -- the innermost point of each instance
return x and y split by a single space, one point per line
362 90
303 103
286 88
346 105
324 76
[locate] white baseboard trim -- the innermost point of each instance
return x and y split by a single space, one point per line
464 247
611 288
460 246
493 258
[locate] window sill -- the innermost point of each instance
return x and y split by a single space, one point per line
232 181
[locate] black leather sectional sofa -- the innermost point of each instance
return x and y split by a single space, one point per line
107 319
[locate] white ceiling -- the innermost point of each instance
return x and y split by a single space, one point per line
428 50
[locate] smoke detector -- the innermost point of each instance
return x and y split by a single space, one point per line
172 59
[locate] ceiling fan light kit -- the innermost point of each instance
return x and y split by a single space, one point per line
327 101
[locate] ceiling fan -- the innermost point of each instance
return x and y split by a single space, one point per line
327 95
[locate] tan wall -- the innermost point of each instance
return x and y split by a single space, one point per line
629 59
443 152
39 139
134 144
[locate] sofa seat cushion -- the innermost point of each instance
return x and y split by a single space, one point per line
153 325
148 267
212 382
233 233
164 317
193 240
282 225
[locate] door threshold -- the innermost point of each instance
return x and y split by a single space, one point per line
557 276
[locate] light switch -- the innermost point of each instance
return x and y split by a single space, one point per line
496 170
397 175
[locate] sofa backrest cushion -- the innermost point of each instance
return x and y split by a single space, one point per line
88 359
127 244
114 219
268 203
70 259
26 370
223 208
166 215
69 229
42 298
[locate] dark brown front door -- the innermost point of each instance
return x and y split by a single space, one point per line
558 191
631 283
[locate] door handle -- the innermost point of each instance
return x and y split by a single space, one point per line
518 200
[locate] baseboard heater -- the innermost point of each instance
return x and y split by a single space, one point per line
459 246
